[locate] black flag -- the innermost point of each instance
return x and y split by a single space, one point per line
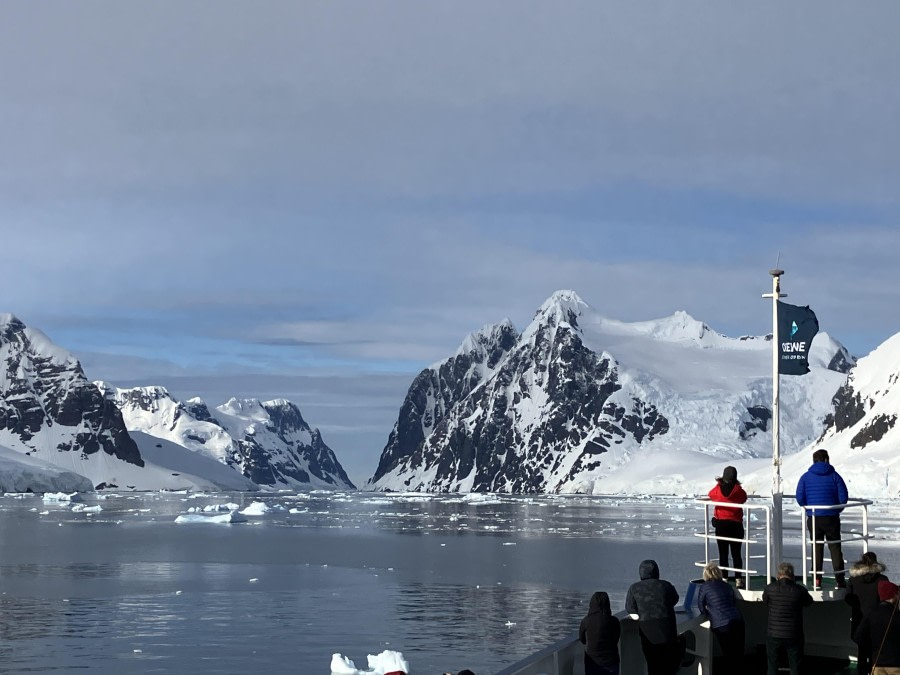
796 328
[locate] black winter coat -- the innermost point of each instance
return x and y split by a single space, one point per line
716 600
653 600
862 590
785 601
870 635
599 632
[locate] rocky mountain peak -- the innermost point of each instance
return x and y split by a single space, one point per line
48 408
565 306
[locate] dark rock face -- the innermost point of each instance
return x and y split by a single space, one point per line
199 411
434 393
757 419
291 457
873 431
849 409
46 391
842 361
546 397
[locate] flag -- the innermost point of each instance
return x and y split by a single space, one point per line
796 328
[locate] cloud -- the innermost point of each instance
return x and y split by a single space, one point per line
346 189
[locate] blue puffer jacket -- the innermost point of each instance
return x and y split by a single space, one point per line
716 600
821 484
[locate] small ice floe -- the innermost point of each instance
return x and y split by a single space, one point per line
254 580
59 497
233 517
479 498
137 651
379 664
84 508
178 592
214 508
508 543
509 624
256 509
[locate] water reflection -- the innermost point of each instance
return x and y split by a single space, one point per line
450 581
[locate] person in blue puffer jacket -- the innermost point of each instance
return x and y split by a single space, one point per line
716 600
821 485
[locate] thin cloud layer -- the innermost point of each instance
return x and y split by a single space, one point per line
322 188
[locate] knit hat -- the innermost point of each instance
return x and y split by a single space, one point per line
729 475
887 590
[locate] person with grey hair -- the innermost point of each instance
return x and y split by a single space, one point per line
716 600
785 600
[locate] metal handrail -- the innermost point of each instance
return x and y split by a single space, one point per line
746 571
864 537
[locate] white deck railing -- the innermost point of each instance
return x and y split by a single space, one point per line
757 536
861 505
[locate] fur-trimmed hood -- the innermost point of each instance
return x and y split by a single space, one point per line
861 569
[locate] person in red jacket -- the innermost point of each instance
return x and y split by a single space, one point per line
729 522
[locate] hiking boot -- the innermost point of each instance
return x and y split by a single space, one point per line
739 583
818 585
840 582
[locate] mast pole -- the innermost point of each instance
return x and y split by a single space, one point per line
777 521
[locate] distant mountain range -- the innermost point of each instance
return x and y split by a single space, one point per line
59 431
576 402
581 403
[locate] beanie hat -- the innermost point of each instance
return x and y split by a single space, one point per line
887 590
729 475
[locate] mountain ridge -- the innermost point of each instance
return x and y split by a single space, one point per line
576 397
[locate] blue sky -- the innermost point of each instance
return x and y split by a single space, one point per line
316 200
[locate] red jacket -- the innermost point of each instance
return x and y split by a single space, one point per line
736 496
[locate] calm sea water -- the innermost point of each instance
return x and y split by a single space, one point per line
451 583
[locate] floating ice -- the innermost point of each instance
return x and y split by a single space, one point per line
84 508
379 664
257 509
212 508
233 517
56 497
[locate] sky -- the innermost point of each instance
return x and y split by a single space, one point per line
316 200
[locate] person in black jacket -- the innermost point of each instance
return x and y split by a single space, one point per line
599 633
653 600
879 632
716 600
785 600
862 596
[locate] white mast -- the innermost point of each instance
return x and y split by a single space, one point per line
776 421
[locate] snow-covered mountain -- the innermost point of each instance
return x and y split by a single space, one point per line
861 433
268 443
581 403
49 411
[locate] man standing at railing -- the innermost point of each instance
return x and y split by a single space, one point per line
785 600
821 485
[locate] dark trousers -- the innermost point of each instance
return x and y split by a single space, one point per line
591 668
829 529
663 658
731 642
735 530
794 649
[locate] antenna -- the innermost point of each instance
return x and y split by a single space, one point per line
778 260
